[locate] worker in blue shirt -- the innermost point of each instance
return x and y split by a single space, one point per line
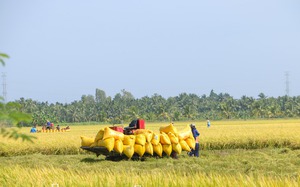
196 134
33 129
48 126
208 123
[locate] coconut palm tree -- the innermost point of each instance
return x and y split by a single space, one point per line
2 57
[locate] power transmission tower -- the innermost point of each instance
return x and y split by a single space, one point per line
4 86
287 84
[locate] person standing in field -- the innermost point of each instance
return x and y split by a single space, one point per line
208 123
196 134
33 129
48 125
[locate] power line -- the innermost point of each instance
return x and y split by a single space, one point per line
287 84
4 86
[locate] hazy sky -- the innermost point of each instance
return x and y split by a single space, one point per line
63 49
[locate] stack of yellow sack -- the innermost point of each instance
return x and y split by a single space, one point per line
116 141
148 134
157 147
128 145
139 146
112 140
108 138
186 139
143 141
86 141
169 139
166 143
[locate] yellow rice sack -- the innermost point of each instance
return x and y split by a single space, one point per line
109 143
164 139
149 148
99 135
177 148
148 133
185 133
139 149
140 131
128 150
184 146
191 135
191 142
156 139
173 138
86 141
167 149
129 140
140 139
158 149
149 136
169 128
108 132
118 147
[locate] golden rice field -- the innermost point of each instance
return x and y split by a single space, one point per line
233 153
61 177
252 134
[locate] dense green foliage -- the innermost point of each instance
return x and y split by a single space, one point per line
123 107
10 114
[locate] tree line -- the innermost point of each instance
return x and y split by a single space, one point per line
124 107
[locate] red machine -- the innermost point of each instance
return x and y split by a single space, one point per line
117 128
133 126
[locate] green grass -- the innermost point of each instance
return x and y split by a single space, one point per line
273 167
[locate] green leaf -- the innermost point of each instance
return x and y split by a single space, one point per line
17 117
3 55
2 62
14 134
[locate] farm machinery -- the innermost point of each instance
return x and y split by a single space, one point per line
136 142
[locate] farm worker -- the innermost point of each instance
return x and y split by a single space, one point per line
208 123
196 135
58 127
33 129
48 125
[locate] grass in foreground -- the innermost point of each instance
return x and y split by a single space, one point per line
266 167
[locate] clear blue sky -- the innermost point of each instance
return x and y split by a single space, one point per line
61 50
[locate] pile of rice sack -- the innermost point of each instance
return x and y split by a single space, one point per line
143 141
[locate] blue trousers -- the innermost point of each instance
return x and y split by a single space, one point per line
195 152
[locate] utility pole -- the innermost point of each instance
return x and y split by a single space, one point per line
4 86
287 84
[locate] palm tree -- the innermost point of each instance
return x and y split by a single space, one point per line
2 57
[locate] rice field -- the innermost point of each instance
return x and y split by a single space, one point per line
233 153
60 177
221 135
